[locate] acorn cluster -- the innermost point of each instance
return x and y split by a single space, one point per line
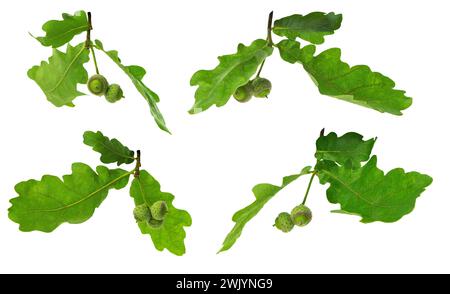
98 85
300 216
259 88
153 215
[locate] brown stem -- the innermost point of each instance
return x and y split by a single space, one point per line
88 34
269 41
322 132
88 43
269 28
137 170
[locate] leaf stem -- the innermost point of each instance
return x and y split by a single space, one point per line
95 60
309 187
260 68
137 171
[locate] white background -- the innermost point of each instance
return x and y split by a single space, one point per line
213 159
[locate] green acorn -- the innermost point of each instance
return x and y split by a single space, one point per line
97 85
244 93
114 93
156 224
261 87
159 210
301 215
283 222
142 213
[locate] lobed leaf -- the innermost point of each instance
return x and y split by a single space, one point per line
263 193
44 205
371 194
349 150
215 87
146 190
60 32
312 27
136 74
111 150
335 78
59 77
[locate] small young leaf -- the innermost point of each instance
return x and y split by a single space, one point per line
136 73
111 150
139 73
347 149
311 27
60 32
146 190
290 51
370 193
44 205
357 84
218 85
58 78
263 193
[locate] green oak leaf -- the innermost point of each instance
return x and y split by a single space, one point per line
146 190
311 27
44 205
58 78
215 87
136 74
335 78
111 150
349 149
60 32
371 194
263 193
